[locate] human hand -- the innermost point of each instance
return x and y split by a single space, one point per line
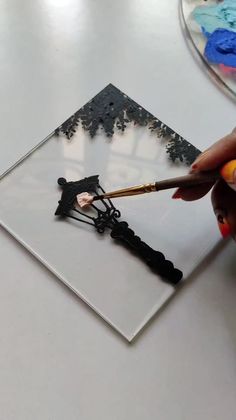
224 191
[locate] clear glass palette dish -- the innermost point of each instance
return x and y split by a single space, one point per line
223 75
108 277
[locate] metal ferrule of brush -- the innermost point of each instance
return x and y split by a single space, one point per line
138 189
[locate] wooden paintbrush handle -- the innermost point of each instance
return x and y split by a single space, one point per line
187 180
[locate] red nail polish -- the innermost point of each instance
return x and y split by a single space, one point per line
224 229
195 164
223 224
176 195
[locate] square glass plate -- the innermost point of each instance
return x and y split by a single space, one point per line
109 278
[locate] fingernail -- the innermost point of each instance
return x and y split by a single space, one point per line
199 158
223 223
228 172
176 195
224 229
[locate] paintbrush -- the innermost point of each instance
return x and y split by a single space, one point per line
190 180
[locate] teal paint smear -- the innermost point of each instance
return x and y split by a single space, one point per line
222 15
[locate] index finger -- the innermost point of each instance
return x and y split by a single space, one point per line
214 157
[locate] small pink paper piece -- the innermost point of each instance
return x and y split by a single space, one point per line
84 199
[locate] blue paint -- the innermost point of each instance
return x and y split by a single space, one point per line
222 15
221 47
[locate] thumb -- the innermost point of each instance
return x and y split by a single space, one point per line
228 173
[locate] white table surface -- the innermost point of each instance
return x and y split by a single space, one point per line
58 360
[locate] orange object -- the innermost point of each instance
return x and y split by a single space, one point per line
228 173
